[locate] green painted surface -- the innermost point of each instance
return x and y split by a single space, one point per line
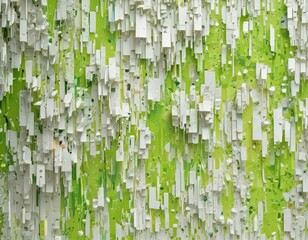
104 170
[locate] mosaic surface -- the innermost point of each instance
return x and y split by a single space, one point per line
153 119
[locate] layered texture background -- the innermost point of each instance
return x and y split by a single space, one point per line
153 119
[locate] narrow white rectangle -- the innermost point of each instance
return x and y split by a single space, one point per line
293 137
40 175
23 31
264 144
243 153
61 10
256 128
30 123
86 5
166 37
287 132
29 66
272 38
23 108
100 200
182 18
193 124
278 125
112 68
245 27
152 198
305 182
154 89
287 220
257 5
141 25
92 22
224 55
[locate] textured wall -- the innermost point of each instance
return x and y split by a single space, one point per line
153 119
